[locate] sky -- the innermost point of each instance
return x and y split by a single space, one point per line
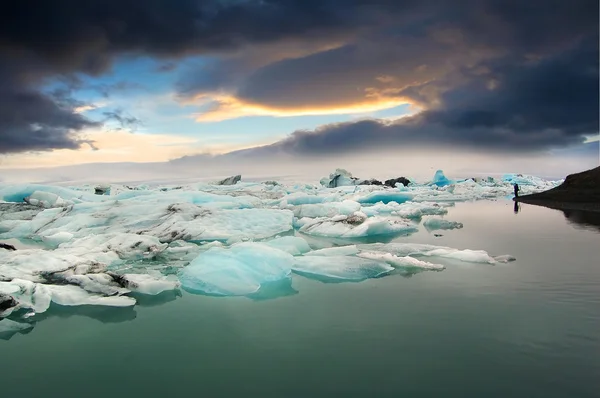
487 84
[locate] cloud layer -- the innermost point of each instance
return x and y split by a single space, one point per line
492 74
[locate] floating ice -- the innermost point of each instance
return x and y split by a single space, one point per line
165 222
416 249
339 178
69 295
411 210
293 245
222 239
349 250
400 262
346 207
148 284
340 268
238 271
440 179
433 224
385 197
356 226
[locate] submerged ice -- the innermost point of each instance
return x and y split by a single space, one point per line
233 238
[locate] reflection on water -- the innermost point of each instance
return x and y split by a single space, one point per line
585 219
145 300
97 312
517 207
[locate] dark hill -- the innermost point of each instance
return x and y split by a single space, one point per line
578 191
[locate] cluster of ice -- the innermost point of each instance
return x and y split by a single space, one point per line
229 239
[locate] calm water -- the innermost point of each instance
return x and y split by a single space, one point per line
525 329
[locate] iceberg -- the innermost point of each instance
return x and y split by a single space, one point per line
237 271
440 179
385 197
339 178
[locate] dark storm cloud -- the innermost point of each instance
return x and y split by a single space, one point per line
464 46
548 103
61 38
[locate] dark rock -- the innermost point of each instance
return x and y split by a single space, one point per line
7 246
392 182
355 219
6 302
372 181
101 190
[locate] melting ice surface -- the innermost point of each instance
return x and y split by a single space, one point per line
223 240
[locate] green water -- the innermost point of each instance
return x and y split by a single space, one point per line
524 329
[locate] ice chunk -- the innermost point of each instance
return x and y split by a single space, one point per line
293 245
357 227
466 255
349 250
238 271
46 199
433 224
34 265
401 262
505 258
440 179
385 197
97 283
148 284
416 249
69 295
28 294
346 207
57 238
340 268
339 178
411 210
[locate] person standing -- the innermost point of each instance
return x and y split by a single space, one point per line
517 190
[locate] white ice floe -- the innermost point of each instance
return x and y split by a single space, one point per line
227 240
416 249
433 224
343 268
356 226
